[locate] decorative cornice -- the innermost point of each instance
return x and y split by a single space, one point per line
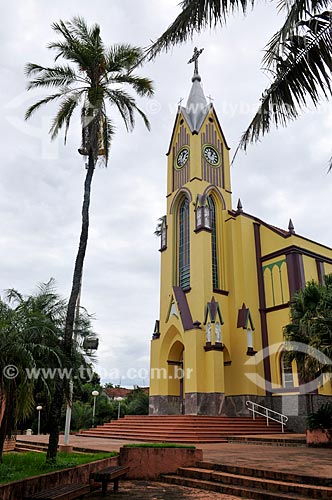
213 347
294 249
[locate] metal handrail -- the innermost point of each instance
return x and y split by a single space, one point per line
268 413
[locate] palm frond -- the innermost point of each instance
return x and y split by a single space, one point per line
125 105
123 57
57 76
108 131
195 16
299 12
143 116
304 75
37 104
142 86
64 115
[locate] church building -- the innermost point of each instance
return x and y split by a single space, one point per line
227 278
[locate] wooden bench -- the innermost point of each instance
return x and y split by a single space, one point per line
67 492
111 474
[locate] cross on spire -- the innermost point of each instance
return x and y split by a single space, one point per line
194 59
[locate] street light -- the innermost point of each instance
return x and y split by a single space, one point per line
119 398
39 409
94 394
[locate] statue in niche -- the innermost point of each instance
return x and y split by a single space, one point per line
208 333
218 333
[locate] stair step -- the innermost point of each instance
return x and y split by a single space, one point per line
266 474
310 491
30 446
240 491
150 438
182 428
25 449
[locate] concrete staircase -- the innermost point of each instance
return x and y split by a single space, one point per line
251 483
181 428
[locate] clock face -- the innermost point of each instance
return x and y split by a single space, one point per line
182 157
211 155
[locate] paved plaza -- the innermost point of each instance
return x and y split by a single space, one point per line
147 490
316 462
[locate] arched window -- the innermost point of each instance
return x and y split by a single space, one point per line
287 378
184 245
214 245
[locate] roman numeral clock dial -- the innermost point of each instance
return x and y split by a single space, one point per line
181 158
211 155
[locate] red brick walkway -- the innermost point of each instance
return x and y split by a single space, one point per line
298 460
139 490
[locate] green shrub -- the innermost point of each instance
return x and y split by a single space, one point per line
322 418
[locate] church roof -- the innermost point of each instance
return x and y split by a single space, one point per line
196 108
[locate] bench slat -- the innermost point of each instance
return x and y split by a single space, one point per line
109 473
67 492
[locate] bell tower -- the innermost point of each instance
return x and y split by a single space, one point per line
193 262
227 279
198 149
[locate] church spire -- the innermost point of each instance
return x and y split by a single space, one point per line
197 107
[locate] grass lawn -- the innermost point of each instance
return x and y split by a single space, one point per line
17 466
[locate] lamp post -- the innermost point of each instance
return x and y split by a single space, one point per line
119 399
94 395
39 409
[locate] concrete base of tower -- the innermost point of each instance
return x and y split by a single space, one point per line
195 403
295 406
165 405
204 403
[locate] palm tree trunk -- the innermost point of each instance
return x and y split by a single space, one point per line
55 412
2 433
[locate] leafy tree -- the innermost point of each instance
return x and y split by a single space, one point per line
29 339
81 415
311 324
297 58
91 77
138 402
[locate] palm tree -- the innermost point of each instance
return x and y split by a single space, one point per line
298 57
311 326
93 80
29 333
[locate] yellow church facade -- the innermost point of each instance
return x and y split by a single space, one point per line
226 282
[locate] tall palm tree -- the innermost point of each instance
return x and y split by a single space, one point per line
311 325
298 57
94 80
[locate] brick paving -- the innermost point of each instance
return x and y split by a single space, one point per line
316 462
139 490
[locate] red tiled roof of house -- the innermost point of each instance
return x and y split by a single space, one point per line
122 392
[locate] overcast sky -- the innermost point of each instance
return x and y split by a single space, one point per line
41 183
